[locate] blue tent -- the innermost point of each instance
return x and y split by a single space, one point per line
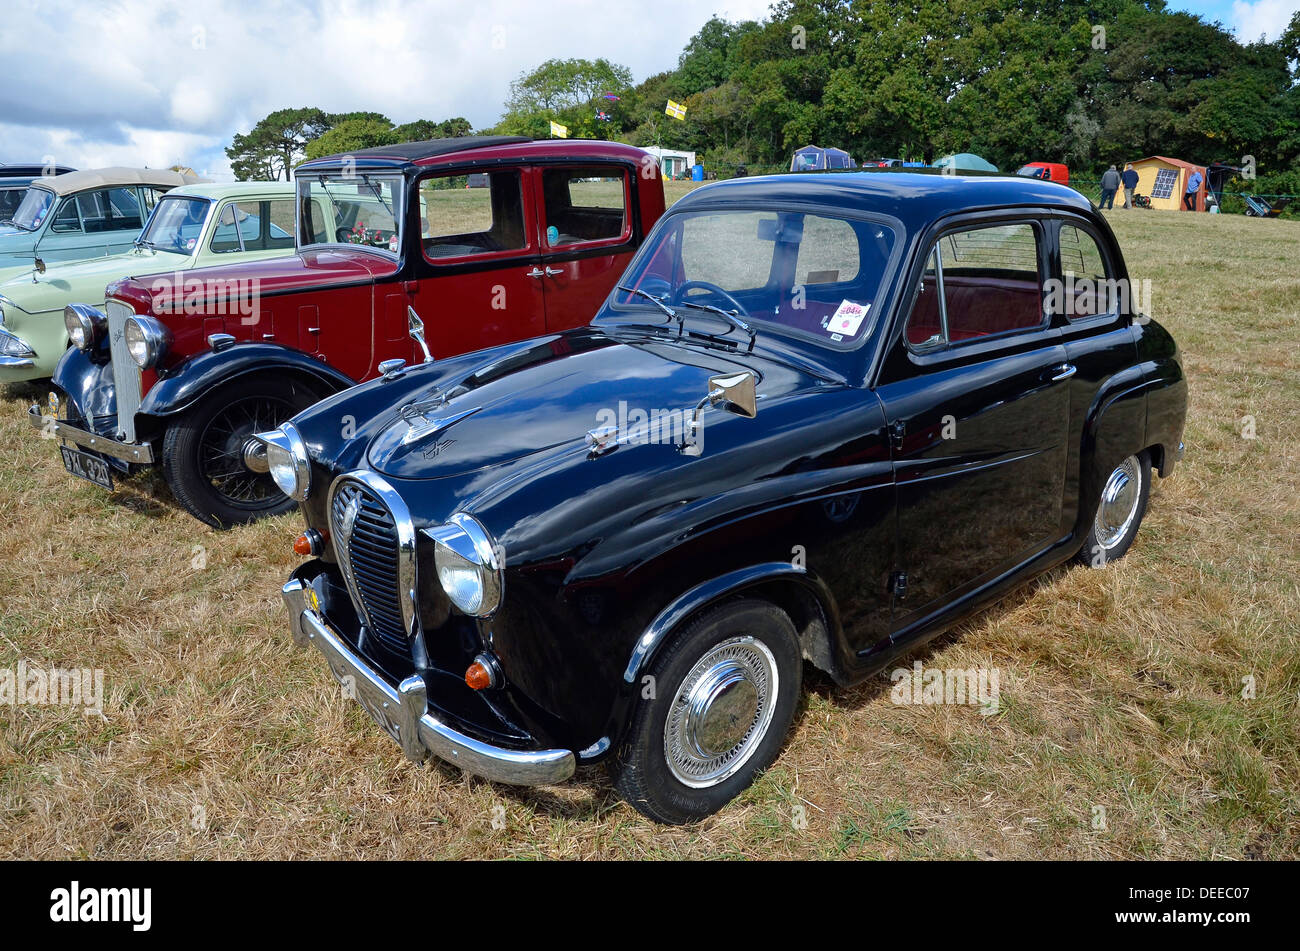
811 158
965 162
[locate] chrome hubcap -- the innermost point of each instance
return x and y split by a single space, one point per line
1119 503
721 713
255 456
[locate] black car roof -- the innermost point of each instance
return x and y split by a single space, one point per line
407 153
33 171
914 198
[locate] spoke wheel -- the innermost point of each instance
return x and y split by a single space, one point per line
222 445
205 453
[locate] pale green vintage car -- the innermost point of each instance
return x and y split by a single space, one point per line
191 227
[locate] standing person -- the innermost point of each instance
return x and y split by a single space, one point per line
1193 186
1109 186
1130 178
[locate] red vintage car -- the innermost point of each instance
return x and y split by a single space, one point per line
392 251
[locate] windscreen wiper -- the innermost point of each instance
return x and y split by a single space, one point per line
657 301
730 316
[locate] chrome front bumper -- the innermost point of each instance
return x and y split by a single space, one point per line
404 714
125 451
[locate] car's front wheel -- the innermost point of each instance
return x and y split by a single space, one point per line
1120 508
714 714
206 452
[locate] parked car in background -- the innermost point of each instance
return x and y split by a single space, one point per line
191 227
82 214
14 180
1047 171
386 237
822 418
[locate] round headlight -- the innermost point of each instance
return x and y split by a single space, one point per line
286 460
468 565
84 324
146 340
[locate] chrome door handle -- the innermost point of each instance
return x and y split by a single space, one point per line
1064 372
554 273
535 272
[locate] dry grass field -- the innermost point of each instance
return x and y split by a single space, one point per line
1120 689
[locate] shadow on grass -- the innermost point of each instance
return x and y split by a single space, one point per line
595 780
859 695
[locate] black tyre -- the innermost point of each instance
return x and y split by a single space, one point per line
1119 512
203 451
725 693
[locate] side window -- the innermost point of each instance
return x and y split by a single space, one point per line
66 220
123 207
253 226
279 228
978 283
460 217
1086 289
225 237
584 205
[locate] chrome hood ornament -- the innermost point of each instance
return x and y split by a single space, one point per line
421 422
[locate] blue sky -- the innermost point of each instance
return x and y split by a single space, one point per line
91 83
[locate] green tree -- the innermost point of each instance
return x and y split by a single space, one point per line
422 130
568 91
352 135
276 144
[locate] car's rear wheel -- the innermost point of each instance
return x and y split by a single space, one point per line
205 456
724 694
1120 508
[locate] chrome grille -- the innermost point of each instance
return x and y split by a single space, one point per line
366 542
126 375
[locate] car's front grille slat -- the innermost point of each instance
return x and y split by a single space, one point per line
370 561
126 375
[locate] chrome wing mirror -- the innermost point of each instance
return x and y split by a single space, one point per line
736 392
415 327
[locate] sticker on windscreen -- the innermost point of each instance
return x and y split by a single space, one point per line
846 320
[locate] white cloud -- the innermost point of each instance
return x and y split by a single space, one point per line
147 82
1267 18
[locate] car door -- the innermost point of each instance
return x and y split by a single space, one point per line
977 405
478 274
92 224
1096 299
586 236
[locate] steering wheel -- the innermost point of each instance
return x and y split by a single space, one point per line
343 235
679 295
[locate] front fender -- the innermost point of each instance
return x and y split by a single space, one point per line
186 385
86 384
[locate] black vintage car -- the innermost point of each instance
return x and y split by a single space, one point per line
823 418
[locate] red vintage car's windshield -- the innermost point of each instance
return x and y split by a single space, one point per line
351 208
813 273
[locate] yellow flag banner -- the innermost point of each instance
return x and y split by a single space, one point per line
559 131
676 110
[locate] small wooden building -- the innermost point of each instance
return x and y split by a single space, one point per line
1165 181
